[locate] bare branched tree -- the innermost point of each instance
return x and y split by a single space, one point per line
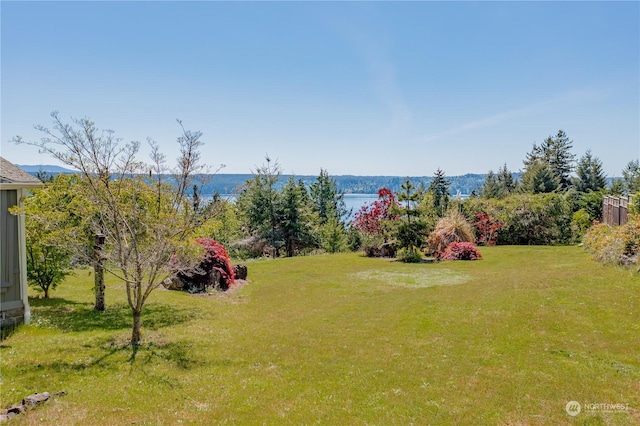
144 210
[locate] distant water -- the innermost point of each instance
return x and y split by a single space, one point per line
352 202
356 201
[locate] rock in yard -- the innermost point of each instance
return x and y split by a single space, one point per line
35 399
173 283
240 272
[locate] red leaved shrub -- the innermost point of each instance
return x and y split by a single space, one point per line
487 229
370 218
461 251
214 270
216 258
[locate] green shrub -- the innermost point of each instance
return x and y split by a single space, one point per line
541 219
354 238
370 243
409 255
591 202
333 236
411 234
580 222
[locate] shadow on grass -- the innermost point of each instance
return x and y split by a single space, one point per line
62 366
6 332
67 315
110 357
176 353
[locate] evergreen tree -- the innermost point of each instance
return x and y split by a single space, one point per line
590 176
506 183
631 177
556 153
411 196
334 237
617 187
559 157
328 202
44 177
439 188
259 200
412 231
536 155
293 217
539 178
490 188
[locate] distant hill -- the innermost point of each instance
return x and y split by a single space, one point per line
47 168
349 184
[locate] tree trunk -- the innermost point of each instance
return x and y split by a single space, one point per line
99 288
136 336
99 274
46 292
290 247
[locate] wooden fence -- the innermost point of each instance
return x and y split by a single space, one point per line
615 209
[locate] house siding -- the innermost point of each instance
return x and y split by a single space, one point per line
11 298
14 301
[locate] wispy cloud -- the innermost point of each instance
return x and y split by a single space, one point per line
492 120
375 52
386 85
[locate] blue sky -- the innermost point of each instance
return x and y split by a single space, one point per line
380 88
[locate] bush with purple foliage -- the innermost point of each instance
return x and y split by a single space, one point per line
216 260
461 251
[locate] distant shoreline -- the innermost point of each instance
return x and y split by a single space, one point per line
222 183
231 183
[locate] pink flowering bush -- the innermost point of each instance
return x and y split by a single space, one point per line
460 251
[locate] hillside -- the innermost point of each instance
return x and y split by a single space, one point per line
349 184
47 168
229 183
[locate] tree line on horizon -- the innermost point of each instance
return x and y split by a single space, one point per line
225 184
467 184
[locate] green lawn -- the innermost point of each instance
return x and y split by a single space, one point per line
343 339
